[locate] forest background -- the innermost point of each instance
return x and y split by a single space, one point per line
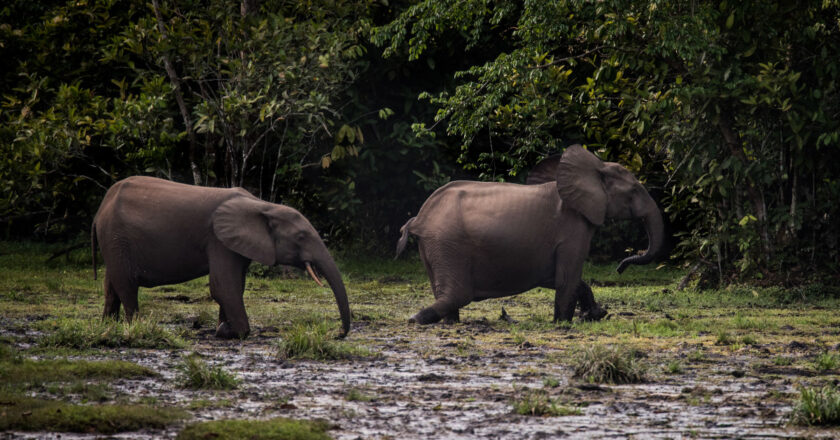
355 111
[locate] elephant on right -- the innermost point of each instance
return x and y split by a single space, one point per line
481 240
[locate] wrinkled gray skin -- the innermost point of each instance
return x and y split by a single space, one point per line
481 240
153 232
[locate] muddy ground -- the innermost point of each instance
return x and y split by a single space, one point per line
460 380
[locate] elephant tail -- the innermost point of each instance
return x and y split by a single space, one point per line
93 246
404 237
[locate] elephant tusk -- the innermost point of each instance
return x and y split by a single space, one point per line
312 274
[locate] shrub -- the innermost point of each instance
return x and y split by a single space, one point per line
608 364
817 407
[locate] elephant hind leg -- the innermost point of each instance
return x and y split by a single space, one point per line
119 290
112 301
451 293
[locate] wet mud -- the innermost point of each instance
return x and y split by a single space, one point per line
433 385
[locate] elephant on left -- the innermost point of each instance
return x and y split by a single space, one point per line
153 232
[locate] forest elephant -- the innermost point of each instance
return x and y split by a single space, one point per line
153 232
481 240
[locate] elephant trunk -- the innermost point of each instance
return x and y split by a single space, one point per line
327 267
656 235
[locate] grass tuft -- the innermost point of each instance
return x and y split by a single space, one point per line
28 414
539 403
674 367
357 395
817 407
827 362
274 429
84 334
315 341
198 374
609 364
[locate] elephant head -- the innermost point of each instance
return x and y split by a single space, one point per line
275 234
599 190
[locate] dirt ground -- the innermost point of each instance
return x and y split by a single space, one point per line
721 364
430 386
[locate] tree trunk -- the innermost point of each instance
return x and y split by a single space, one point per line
179 96
733 143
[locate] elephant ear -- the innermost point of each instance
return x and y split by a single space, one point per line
240 225
545 171
580 184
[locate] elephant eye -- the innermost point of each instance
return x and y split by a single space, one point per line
300 236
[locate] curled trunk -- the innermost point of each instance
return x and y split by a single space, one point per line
656 236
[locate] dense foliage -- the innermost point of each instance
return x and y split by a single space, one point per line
728 111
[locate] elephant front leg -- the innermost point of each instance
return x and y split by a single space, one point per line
565 295
589 309
227 285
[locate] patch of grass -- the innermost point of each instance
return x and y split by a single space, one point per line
87 392
316 341
826 362
551 382
57 370
817 407
539 403
274 429
749 340
782 361
27 414
357 395
198 374
84 334
609 364
724 338
673 367
200 404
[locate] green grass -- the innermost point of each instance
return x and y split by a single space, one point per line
142 332
274 429
21 413
196 373
827 362
357 395
817 406
55 370
539 403
609 364
316 341
673 367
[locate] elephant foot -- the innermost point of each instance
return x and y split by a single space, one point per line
425 316
224 331
596 313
